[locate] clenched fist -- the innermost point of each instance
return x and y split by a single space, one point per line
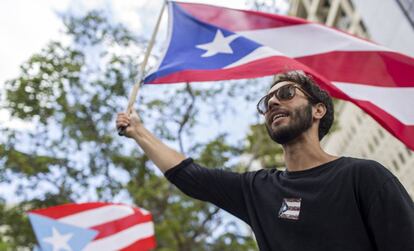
130 122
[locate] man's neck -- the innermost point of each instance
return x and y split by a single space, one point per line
305 153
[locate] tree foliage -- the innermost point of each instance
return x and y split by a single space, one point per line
68 94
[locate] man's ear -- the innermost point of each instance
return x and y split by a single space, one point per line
319 110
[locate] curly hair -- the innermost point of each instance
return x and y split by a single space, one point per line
319 96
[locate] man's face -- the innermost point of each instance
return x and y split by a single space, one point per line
286 120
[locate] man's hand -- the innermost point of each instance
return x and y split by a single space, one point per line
162 155
130 122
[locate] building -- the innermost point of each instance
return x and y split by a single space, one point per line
387 22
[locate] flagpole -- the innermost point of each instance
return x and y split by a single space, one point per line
141 75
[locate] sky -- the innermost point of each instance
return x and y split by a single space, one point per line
27 26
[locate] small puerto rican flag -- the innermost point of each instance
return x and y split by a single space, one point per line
290 208
93 226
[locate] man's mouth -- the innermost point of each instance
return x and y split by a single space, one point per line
278 116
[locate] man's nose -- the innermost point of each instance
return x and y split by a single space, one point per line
273 101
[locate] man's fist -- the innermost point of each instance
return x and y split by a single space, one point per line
130 123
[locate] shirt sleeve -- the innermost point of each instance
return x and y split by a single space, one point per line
391 217
220 187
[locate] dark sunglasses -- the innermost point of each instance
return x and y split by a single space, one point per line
284 93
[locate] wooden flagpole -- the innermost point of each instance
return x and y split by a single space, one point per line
141 75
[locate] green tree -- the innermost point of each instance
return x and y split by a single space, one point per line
69 94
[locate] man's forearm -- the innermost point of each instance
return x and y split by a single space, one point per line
163 156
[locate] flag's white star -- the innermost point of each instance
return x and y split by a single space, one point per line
220 44
59 241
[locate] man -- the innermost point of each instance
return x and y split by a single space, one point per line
321 202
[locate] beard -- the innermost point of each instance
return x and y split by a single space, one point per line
300 121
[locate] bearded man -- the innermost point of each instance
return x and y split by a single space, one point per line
320 202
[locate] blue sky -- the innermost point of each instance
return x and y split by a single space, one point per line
26 27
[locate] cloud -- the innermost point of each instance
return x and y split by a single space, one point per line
25 27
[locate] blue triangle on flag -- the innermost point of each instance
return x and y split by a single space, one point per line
53 235
183 53
283 208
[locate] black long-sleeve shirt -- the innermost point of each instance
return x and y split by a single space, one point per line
346 204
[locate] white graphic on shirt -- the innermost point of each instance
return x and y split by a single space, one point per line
290 208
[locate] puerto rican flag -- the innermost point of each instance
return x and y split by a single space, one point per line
93 227
208 43
290 208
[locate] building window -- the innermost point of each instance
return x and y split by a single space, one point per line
371 148
395 165
401 158
343 20
353 129
381 133
376 140
359 119
409 152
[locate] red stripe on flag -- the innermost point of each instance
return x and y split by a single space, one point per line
243 20
250 70
116 226
376 68
142 245
238 20
60 211
274 65
403 132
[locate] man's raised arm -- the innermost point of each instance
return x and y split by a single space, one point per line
163 156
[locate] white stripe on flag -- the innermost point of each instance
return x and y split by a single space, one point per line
122 239
144 211
396 101
309 39
259 53
291 212
97 216
293 203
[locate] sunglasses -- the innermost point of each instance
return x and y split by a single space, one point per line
284 93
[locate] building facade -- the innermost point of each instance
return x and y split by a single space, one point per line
389 23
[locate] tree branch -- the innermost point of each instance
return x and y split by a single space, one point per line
203 224
186 116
